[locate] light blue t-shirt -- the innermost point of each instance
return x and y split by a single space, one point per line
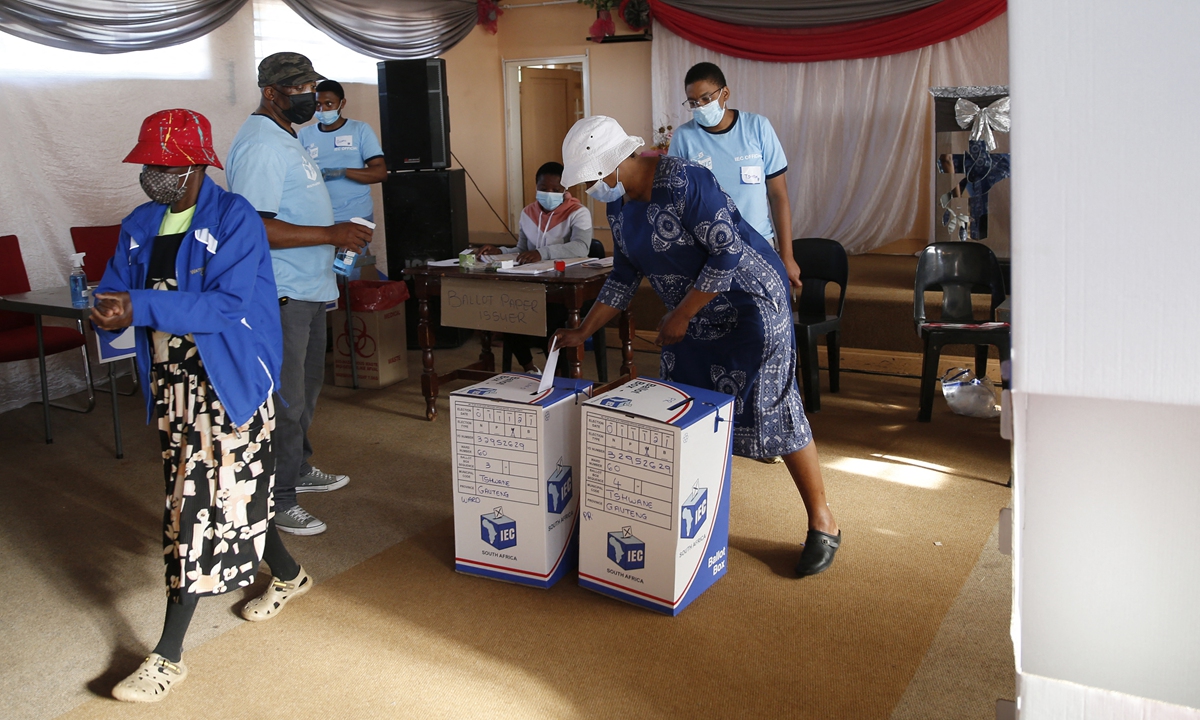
350 146
743 157
270 168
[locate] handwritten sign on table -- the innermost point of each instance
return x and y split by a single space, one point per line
511 307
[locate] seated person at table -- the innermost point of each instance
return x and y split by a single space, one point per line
554 227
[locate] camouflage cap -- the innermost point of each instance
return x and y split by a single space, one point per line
286 68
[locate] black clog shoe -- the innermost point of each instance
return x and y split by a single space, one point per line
819 549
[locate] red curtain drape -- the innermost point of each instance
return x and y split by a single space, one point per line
872 38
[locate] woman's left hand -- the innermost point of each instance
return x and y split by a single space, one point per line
529 256
672 328
113 312
793 272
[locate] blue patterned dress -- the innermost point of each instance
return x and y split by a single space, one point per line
741 343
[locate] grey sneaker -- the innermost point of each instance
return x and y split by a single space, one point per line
319 481
297 521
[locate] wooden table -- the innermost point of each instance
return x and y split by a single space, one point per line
572 288
56 302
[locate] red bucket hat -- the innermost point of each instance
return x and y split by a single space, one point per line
174 138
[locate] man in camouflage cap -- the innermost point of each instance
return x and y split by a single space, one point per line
270 168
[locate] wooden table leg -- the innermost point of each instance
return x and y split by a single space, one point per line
626 331
429 377
575 354
485 355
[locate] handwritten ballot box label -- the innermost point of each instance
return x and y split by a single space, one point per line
654 513
516 454
510 307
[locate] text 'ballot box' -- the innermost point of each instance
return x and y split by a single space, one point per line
516 454
654 528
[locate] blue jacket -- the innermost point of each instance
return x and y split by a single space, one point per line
226 297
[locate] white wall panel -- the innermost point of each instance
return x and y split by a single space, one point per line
1106 241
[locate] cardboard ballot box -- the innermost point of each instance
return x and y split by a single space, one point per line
654 528
516 455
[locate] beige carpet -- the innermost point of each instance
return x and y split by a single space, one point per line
398 634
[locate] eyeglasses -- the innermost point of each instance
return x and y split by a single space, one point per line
704 99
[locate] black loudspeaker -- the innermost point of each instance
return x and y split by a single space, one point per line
426 216
426 219
414 114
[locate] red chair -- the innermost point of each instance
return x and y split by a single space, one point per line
18 333
100 243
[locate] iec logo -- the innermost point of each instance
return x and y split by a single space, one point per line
559 490
625 550
496 530
695 512
481 391
616 402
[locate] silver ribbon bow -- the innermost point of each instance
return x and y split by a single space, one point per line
983 122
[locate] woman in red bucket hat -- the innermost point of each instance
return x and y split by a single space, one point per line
192 276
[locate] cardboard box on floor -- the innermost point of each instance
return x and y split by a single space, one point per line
516 470
654 527
381 345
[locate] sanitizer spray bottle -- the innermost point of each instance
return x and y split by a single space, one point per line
78 282
345 260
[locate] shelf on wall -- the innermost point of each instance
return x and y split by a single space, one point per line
639 37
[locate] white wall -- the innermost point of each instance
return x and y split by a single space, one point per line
1106 622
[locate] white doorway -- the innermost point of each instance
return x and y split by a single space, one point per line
543 97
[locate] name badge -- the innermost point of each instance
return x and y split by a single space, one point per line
343 141
751 174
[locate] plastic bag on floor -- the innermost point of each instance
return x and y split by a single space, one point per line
969 395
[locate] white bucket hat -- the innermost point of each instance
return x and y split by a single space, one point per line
593 148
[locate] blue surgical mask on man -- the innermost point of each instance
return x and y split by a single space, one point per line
549 200
327 117
709 115
605 193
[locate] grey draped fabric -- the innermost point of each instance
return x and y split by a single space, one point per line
112 26
797 13
391 29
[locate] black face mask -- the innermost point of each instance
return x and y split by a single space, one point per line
302 108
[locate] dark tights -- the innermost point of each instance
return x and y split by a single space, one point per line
179 615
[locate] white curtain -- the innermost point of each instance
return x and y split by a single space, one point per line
858 133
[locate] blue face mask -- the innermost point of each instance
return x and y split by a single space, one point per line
709 115
327 117
549 200
602 192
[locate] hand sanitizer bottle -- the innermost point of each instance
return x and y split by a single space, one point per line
78 282
343 262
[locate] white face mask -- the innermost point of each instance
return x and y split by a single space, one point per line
709 115
605 193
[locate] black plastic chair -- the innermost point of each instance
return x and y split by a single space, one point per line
958 269
599 342
821 262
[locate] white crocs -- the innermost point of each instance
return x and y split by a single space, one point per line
271 602
152 681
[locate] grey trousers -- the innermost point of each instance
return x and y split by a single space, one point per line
300 383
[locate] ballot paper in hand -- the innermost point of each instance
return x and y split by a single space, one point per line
551 364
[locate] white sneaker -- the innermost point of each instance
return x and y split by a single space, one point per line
297 521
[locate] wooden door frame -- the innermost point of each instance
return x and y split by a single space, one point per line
512 124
